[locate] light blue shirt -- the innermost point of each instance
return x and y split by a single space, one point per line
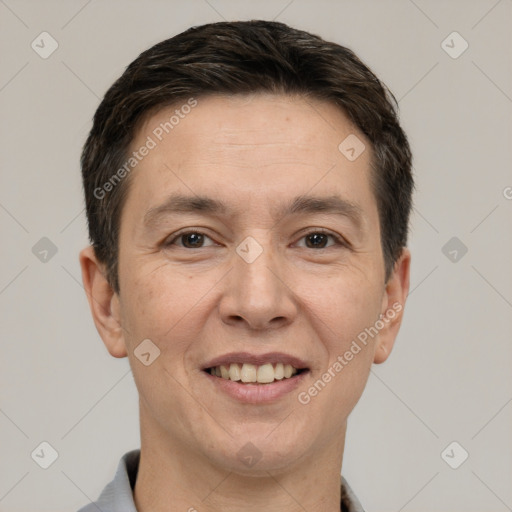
118 494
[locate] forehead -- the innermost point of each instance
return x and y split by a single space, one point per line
247 150
246 121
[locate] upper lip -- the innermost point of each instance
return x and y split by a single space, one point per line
256 359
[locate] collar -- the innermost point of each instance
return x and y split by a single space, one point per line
117 496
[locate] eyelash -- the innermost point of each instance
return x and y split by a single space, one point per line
338 240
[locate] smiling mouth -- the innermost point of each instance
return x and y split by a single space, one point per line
247 373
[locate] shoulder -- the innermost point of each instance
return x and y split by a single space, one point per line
120 490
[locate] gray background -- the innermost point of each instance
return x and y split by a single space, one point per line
449 376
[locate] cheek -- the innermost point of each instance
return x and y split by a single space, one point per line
339 318
140 307
340 311
165 305
345 302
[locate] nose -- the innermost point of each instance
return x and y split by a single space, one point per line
257 295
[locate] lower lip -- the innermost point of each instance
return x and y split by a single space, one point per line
257 393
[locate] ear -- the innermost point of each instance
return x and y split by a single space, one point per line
393 303
104 303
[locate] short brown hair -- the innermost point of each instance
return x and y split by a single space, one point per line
239 58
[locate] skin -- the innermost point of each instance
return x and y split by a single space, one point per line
253 152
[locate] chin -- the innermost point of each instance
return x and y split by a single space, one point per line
257 455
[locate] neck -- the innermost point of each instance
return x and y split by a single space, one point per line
173 477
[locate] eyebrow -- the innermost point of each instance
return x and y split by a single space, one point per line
304 204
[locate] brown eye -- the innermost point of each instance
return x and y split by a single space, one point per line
192 239
189 240
319 239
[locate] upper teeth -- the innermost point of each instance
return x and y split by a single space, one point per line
247 372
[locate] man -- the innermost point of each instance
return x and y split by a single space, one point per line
248 189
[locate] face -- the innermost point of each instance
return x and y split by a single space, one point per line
271 254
